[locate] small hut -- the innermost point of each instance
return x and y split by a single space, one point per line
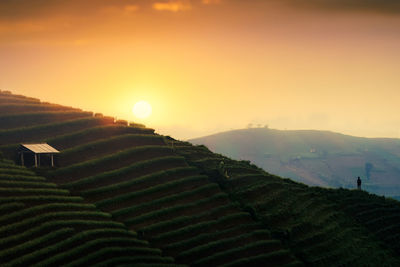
33 153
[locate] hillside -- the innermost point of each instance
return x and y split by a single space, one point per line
316 157
121 194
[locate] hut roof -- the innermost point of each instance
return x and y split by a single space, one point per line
42 148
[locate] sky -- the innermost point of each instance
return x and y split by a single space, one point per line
208 66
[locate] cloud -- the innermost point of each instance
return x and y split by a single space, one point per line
210 2
23 9
16 9
119 10
173 5
377 6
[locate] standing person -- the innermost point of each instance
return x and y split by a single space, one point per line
358 183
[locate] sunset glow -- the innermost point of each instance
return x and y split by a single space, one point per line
142 109
210 66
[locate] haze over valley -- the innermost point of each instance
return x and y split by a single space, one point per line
317 158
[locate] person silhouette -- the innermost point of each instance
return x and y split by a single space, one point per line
358 183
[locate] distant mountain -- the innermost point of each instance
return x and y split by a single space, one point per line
318 158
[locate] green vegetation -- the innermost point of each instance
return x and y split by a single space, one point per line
28 246
206 237
130 172
59 229
166 212
24 184
106 146
92 134
178 224
107 252
119 159
37 199
203 250
149 179
13 206
18 171
207 190
52 207
24 107
25 178
192 181
234 254
11 121
33 191
380 215
41 132
304 219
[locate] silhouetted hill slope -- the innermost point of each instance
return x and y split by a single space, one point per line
321 227
130 173
42 224
316 157
123 195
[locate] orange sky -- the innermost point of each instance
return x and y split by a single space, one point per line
211 65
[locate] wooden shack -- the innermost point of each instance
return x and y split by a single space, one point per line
33 152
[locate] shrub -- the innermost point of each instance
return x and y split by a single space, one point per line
16 171
10 207
111 251
261 259
100 228
80 137
25 184
130 196
213 188
137 125
212 247
29 178
129 172
30 245
41 132
40 198
29 119
158 214
183 221
32 191
122 172
138 261
77 252
106 146
122 122
41 218
20 107
108 159
230 255
204 238
56 207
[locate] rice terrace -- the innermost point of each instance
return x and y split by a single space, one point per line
120 194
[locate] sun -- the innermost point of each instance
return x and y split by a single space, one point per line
142 109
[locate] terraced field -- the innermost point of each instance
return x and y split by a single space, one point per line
321 227
146 186
381 216
42 225
122 195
